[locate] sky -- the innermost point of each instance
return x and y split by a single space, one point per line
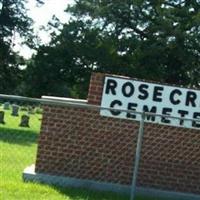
41 16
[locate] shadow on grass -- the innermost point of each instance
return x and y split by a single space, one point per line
16 136
85 194
89 194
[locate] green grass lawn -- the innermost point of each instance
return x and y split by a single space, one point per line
17 151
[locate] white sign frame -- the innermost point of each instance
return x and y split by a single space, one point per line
140 96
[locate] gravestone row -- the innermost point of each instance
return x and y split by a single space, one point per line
23 123
16 108
15 112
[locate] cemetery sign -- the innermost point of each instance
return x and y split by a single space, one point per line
140 96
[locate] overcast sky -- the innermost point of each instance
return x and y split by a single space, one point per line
42 15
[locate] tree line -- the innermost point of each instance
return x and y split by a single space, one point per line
155 40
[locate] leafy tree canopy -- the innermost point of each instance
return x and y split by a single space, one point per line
13 20
160 38
157 40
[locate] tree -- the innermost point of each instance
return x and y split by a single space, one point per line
156 40
13 20
61 68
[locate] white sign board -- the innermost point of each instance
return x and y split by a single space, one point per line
127 94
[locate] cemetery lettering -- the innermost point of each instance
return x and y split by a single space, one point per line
142 96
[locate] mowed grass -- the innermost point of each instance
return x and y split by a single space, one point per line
18 148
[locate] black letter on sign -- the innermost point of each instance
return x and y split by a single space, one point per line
157 93
113 103
191 97
166 111
111 86
196 116
182 113
172 99
130 91
131 106
142 89
152 110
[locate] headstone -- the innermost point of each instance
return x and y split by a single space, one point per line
6 106
24 121
15 110
2 117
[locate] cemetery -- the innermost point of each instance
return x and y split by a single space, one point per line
80 145
18 145
21 114
99 100
95 149
83 146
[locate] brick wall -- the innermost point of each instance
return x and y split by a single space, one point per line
80 143
96 88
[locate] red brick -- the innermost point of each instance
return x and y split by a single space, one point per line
80 143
